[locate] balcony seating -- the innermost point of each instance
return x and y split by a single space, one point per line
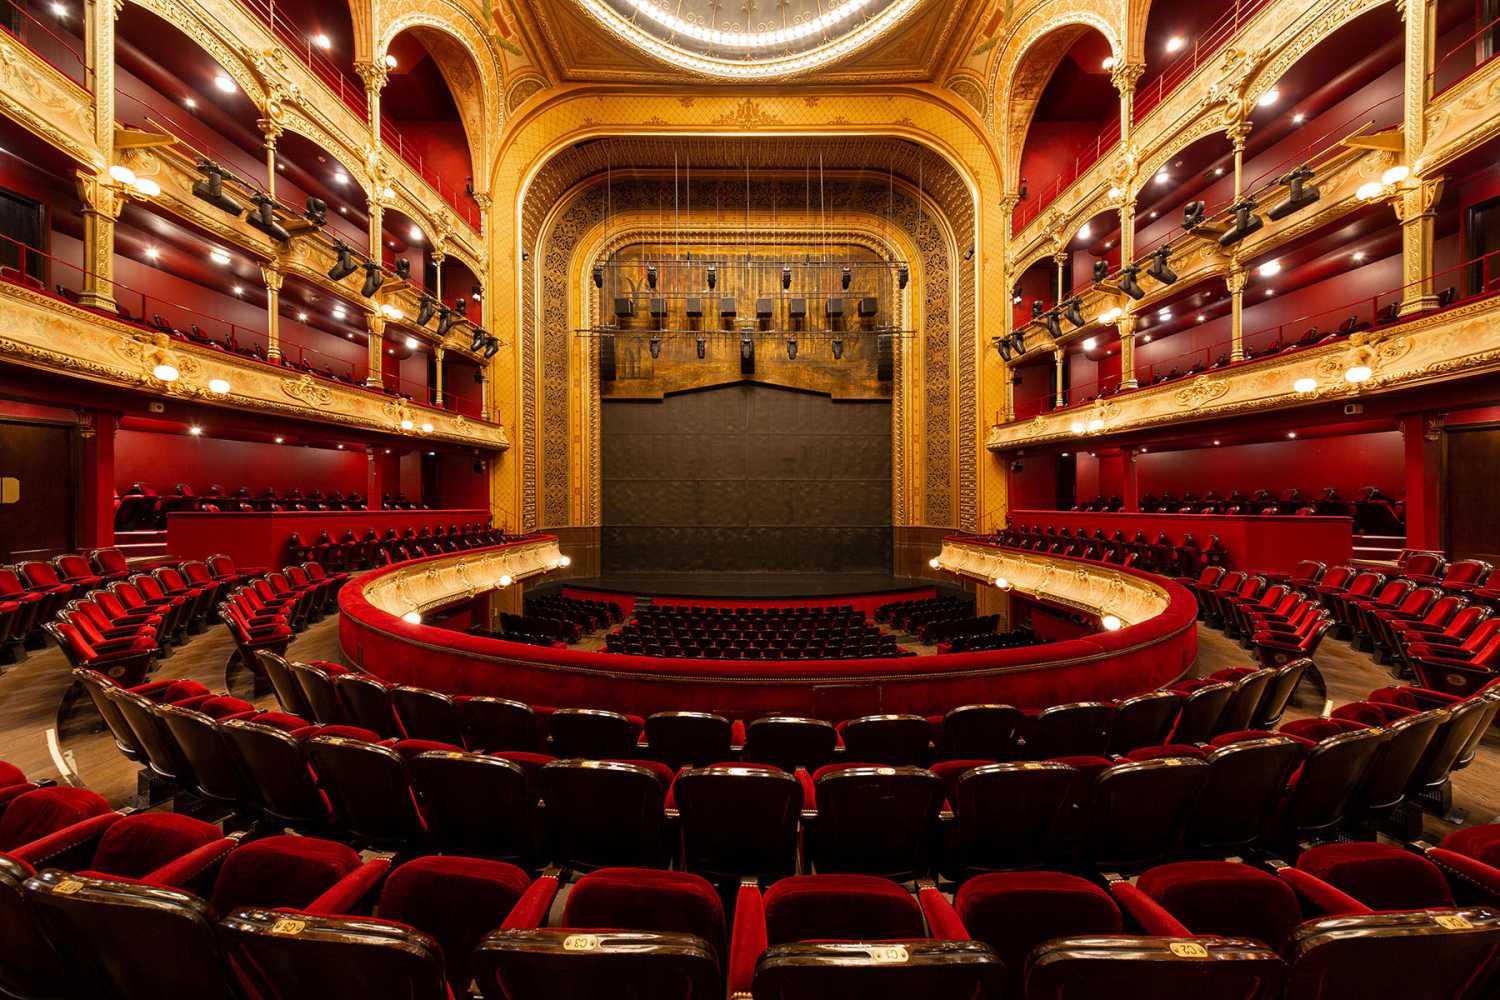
605 813
688 739
124 661
1461 668
874 820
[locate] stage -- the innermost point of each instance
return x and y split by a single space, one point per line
746 585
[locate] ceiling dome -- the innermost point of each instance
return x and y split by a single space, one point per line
748 39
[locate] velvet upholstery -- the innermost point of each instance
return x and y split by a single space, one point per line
647 900
1014 912
1381 876
456 900
1479 842
475 804
46 810
840 907
139 844
1166 750
604 813
1224 898
876 820
281 870
738 819
10 774
1007 815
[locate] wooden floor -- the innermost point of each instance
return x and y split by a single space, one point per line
30 693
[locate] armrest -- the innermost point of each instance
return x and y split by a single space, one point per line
943 922
1482 879
196 869
530 911
346 896
70 838
748 941
1425 655
1325 897
1151 915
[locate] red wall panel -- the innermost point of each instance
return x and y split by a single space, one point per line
164 460
1346 463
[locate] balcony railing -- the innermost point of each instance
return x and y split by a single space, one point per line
1047 194
62 51
1458 61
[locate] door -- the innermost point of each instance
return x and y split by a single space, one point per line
39 458
1471 468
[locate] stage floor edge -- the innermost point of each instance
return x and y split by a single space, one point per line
744 585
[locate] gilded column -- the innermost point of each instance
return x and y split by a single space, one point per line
485 203
99 63
102 202
438 257
1417 86
1124 76
1127 231
376 323
1238 132
1126 324
272 276
1059 357
375 205
1416 208
1061 260
1235 279
271 132
375 76
437 366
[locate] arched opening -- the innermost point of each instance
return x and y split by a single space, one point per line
430 112
1179 36
322 35
1066 109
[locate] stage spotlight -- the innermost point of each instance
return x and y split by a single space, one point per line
1101 270
211 188
317 211
713 276
1128 283
747 348
445 321
461 306
491 348
791 348
403 269
1193 214
838 349
1073 311
374 278
1002 348
845 276
1299 193
1036 308
702 348
1159 269
476 339
651 276
1245 222
264 219
655 347
426 308
903 276
1054 324
345 265
598 277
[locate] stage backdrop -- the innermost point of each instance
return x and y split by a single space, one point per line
746 478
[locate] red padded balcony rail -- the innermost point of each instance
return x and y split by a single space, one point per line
1458 61
60 50
1040 199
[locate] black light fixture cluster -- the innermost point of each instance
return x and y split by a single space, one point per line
1299 193
344 264
263 218
210 188
481 341
403 269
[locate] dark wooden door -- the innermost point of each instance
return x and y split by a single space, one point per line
40 458
1471 468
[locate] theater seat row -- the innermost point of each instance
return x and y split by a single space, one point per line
165 905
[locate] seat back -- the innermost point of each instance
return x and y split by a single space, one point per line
492 724
1077 728
739 820
1448 742
981 732
602 813
688 739
113 936
1330 775
97 686
1201 709
1141 968
1142 721
369 787
1434 953
156 740
317 689
289 693
1008 814
592 734
284 956
520 964
367 703
427 715
875 820
897 740
1396 764
1279 692
1245 784
273 762
1138 811
475 805
816 970
1248 692
790 742
215 774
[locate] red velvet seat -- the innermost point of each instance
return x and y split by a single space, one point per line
624 932
1068 730
1223 898
427 715
475 805
318 691
1138 811
1456 735
1246 781
75 571
366 702
288 691
1381 876
873 820
1330 775
163 757
1142 721
1016 911
688 739
370 790
109 564
896 740
1203 703
273 761
738 820
199 597
593 734
980 732
494 724
1150 967
605 813
126 664
36 814
1244 702
789 742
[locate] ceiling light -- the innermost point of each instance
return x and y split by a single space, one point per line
218 256
302 317
1001 583
1164 314
565 561
411 343
239 289
58 10
147 187
343 210
1146 339
1109 62
1270 268
1291 434
224 83
1175 43
1084 231
1154 214
322 41
189 103
1111 623
933 562
1269 98
165 372
122 174
1077 427
391 312
338 312
412 618
1216 443
407 425
390 61
340 178
504 581
281 440
1358 374
1396 174
1089 343
1270 292
1096 424
1298 118
1200 318
1218 171
426 428
1359 255
1162 177
152 253
1113 192
1368 190
1107 316
195 430
1305 385
415 235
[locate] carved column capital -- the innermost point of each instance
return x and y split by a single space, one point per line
272 276
1125 76
1235 277
375 74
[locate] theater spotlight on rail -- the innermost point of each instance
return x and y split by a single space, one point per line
1299 193
1160 269
210 188
374 278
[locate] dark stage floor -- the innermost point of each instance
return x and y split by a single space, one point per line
748 584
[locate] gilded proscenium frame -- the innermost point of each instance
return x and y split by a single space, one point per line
52 335
435 583
605 239
1092 588
1462 341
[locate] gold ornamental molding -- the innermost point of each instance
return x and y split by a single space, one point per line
1092 588
1460 342
45 102
55 336
1462 118
434 583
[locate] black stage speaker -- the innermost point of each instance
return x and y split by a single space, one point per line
606 359
885 357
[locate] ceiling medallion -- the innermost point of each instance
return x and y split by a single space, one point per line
792 36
